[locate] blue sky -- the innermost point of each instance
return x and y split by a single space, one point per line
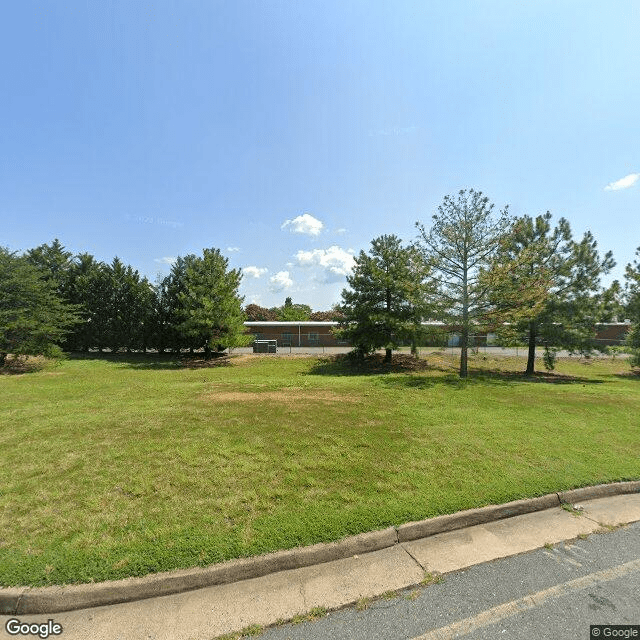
289 134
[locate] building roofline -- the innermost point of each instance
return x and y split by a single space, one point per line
308 323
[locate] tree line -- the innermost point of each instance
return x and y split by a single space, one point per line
290 312
520 277
51 300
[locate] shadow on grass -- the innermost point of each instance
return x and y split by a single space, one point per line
19 365
634 374
419 374
155 360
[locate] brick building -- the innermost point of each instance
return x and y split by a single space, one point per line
320 333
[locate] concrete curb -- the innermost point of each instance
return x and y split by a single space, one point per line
599 491
27 600
470 517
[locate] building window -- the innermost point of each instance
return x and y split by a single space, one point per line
286 339
314 338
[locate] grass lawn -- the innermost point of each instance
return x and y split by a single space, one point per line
123 466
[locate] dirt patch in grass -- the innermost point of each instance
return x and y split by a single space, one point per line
190 362
288 395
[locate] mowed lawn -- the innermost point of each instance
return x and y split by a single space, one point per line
131 465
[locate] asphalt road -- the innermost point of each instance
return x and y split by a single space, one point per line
548 594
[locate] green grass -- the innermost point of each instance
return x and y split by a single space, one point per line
124 466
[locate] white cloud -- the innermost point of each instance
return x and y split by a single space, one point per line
280 281
166 260
335 262
232 249
341 231
623 183
305 223
254 272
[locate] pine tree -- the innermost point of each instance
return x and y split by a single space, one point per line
210 307
632 289
389 296
460 245
566 314
632 308
33 317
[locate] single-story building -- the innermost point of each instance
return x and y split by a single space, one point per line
296 334
317 333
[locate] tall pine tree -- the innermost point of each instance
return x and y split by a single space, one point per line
460 246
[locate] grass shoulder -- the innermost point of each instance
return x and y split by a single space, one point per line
124 466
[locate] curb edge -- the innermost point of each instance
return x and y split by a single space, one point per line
39 600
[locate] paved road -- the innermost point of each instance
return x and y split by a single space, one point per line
548 594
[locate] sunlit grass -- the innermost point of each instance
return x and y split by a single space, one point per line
126 466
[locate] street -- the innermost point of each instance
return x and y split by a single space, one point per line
548 594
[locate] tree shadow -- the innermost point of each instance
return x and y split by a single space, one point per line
420 374
346 365
157 361
17 366
634 374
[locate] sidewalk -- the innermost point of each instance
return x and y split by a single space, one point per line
206 613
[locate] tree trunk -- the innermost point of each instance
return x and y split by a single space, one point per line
3 357
463 352
207 352
531 357
387 353
465 318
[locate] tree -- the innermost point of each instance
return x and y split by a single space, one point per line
388 297
89 289
56 262
568 273
170 310
131 306
632 308
460 246
333 315
632 289
633 343
33 317
290 312
256 313
210 307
